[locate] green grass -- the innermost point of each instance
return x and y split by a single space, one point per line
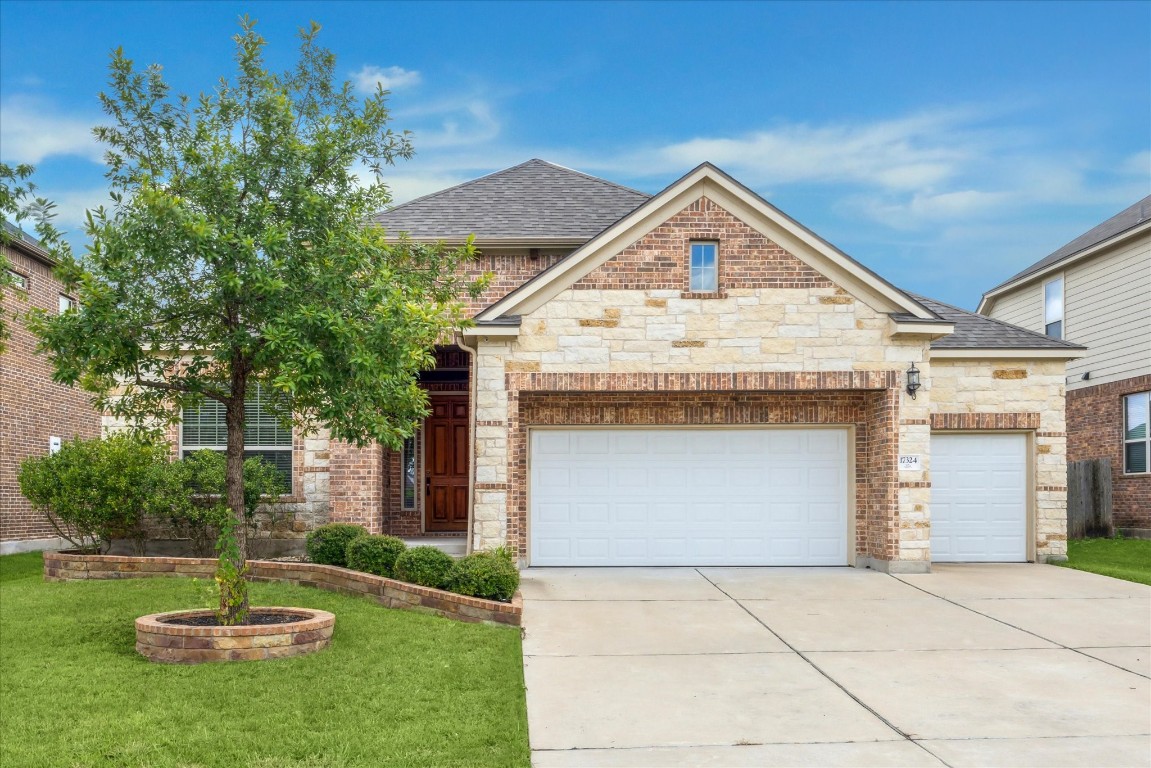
393 689
1128 559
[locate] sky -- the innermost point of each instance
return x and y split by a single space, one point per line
944 145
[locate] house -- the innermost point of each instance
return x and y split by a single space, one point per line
694 378
1096 291
35 412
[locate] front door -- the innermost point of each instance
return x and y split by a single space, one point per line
446 465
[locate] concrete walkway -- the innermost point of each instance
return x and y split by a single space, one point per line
972 665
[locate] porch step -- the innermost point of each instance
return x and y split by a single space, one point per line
456 546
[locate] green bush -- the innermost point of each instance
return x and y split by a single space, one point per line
328 544
94 491
203 475
375 554
426 566
491 575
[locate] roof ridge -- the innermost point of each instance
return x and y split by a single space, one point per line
493 174
461 185
977 316
588 176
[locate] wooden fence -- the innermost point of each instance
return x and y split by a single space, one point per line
1089 499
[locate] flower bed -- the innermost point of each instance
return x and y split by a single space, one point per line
71 566
173 638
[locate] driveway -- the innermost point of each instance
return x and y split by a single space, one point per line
972 665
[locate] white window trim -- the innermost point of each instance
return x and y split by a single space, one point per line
1146 439
71 303
690 269
290 447
417 448
1063 314
22 281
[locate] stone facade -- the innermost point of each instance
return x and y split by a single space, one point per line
33 409
1021 396
1095 431
779 343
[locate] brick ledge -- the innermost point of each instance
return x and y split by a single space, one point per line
70 566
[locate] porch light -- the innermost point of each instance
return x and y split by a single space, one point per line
913 381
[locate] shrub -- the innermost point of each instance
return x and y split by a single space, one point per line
491 575
94 491
426 566
375 554
328 544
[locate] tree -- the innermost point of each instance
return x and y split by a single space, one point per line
17 203
235 253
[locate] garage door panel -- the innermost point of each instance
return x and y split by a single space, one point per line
978 498
691 497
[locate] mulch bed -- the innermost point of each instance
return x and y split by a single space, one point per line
261 618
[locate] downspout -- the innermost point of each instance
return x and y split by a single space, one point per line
473 390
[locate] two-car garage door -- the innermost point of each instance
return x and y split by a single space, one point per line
673 496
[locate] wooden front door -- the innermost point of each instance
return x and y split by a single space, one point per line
446 465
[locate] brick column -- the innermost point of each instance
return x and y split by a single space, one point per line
357 484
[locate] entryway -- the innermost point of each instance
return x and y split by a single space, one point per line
446 464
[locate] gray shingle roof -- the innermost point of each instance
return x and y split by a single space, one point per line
531 201
974 331
1116 225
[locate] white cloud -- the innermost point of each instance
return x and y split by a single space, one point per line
31 130
389 78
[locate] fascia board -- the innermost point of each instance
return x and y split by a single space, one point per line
1007 354
989 298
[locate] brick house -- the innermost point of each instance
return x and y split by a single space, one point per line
34 411
695 378
1096 291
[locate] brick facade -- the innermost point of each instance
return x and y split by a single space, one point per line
746 257
32 407
1095 431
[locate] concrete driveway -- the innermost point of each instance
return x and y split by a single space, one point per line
972 665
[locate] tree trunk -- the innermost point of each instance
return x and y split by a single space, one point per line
234 591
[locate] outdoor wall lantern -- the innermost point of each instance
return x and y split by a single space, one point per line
913 384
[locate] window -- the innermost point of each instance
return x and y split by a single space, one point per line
409 471
17 280
205 428
1053 308
704 270
1136 436
67 304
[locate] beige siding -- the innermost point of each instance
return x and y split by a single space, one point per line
1109 312
1023 307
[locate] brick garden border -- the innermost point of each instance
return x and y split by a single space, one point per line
167 643
71 566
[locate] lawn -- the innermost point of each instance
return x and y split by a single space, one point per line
394 688
1128 559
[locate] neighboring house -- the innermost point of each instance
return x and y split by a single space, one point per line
1096 291
694 378
35 412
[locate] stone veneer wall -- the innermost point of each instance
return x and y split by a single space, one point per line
33 408
1018 395
1095 431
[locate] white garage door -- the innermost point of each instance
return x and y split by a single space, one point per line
978 498
689 497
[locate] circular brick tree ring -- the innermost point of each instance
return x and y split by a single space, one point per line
160 640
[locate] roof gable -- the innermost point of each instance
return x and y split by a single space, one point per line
1127 222
707 181
532 203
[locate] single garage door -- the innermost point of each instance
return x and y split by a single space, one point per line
978 498
689 497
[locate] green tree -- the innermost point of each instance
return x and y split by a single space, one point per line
235 252
17 203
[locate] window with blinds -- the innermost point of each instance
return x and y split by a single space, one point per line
204 428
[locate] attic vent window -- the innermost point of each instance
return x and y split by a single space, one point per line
704 277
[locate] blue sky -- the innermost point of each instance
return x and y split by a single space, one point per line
945 145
